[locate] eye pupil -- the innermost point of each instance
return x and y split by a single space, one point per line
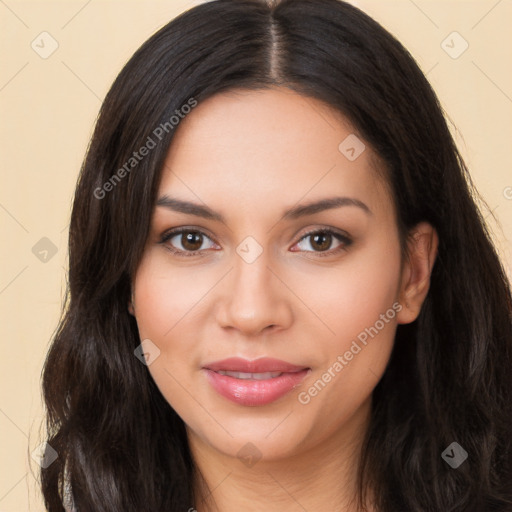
191 238
325 237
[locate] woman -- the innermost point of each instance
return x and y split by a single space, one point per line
282 295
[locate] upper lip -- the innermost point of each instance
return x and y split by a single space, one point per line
262 365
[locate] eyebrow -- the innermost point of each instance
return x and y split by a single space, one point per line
296 212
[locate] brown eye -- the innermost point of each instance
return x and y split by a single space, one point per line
191 241
185 242
321 241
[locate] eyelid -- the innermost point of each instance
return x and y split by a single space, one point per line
325 229
178 230
343 237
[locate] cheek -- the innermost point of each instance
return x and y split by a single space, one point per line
361 309
170 304
165 296
166 301
351 297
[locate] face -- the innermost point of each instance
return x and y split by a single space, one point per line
315 289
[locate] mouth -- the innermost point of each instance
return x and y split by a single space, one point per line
254 383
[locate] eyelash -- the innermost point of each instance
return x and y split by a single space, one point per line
346 241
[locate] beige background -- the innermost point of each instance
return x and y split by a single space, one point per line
48 107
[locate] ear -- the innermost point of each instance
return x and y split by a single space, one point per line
131 309
422 244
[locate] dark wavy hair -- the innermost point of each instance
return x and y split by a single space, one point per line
449 377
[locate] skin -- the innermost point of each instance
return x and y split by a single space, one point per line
250 155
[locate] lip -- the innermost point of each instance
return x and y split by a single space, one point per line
262 365
249 392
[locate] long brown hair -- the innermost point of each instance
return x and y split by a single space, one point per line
449 378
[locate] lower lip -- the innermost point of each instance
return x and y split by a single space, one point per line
255 392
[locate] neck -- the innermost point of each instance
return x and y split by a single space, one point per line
313 479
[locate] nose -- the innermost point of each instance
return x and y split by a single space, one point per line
254 299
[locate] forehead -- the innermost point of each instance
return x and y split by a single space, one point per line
260 122
240 146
